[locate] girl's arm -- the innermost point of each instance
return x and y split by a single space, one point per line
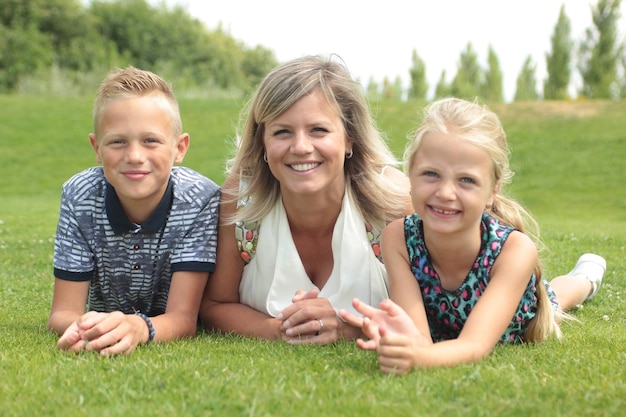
486 323
404 289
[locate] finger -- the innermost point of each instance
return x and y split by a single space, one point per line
76 346
304 340
366 344
307 310
351 319
394 365
382 331
370 329
69 338
90 319
363 308
310 328
123 346
103 324
391 308
306 295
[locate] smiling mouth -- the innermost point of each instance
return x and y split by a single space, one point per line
304 167
135 175
446 212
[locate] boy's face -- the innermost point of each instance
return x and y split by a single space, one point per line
137 148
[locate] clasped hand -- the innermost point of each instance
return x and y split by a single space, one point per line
106 333
311 319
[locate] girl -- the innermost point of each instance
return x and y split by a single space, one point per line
463 270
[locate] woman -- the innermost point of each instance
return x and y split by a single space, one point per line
310 188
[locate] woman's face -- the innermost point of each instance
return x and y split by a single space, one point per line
306 148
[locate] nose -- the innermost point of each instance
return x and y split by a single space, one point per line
446 191
301 143
134 153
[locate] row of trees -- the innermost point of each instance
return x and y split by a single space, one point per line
77 40
600 56
44 40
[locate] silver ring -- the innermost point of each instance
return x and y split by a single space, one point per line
321 326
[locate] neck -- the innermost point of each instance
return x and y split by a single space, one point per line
313 215
451 253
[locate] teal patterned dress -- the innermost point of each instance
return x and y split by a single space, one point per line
447 311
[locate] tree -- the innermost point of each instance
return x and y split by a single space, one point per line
373 90
469 77
559 60
526 84
492 87
442 89
600 52
419 86
392 91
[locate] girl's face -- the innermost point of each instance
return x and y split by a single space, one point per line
452 183
306 147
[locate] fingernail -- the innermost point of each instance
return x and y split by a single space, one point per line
279 316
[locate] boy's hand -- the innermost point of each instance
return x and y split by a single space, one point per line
107 333
73 338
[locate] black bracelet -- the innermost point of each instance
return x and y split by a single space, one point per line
151 330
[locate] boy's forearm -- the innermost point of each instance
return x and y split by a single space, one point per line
174 325
59 321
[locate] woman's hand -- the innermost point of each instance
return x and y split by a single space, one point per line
311 319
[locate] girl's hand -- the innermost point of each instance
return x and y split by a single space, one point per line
396 352
390 316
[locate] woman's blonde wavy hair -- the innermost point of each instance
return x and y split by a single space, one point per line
480 126
377 199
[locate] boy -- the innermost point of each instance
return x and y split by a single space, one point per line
136 237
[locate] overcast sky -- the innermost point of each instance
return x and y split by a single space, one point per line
376 38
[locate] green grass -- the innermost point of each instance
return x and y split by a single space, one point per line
570 168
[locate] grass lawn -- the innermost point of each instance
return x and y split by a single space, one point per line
570 163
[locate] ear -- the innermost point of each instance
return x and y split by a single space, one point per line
496 190
182 144
95 146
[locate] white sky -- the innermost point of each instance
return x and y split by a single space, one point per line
376 38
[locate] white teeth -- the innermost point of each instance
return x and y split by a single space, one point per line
304 167
443 211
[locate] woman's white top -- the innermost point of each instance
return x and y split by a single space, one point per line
275 272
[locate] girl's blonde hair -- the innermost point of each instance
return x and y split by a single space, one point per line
132 82
480 126
378 201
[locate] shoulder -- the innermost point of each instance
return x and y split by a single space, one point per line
394 229
84 184
191 186
520 243
397 177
